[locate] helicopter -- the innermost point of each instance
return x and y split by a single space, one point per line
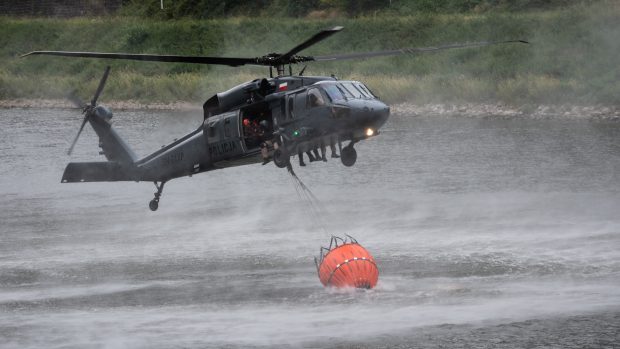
265 119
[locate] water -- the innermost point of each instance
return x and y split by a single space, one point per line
476 225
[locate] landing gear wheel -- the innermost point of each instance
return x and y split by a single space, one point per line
348 156
281 158
153 205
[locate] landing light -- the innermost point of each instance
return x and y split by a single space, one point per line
370 132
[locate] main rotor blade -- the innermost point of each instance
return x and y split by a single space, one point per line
78 134
104 78
411 50
313 40
231 61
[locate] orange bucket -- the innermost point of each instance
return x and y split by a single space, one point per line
346 264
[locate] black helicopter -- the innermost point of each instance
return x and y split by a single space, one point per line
263 119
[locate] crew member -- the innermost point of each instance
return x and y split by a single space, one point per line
317 157
332 146
301 157
267 135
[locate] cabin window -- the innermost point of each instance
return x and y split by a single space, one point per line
291 106
283 109
227 128
212 129
300 104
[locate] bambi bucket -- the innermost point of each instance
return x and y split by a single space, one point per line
346 264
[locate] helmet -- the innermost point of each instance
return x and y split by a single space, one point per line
246 122
264 124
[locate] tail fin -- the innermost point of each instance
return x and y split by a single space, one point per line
121 160
113 146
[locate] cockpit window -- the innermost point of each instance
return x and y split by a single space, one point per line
357 93
345 91
315 99
365 89
334 93
359 88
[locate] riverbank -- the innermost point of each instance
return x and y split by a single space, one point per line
472 110
114 105
571 58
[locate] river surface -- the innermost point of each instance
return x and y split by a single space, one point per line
487 232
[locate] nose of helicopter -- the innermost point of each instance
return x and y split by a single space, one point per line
375 115
381 114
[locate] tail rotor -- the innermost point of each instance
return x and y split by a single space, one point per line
79 132
87 109
75 100
104 78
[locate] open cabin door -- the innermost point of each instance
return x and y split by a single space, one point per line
256 125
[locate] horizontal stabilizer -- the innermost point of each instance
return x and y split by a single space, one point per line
95 172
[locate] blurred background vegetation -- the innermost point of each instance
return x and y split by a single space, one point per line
204 9
208 9
572 58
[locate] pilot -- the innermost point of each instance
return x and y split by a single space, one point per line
316 100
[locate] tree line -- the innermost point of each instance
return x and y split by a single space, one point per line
207 9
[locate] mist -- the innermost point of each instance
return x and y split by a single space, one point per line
474 224
489 200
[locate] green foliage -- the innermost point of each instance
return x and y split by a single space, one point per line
299 8
192 8
572 58
294 8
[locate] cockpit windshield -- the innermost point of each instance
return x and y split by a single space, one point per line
334 92
365 89
347 90
353 90
341 91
